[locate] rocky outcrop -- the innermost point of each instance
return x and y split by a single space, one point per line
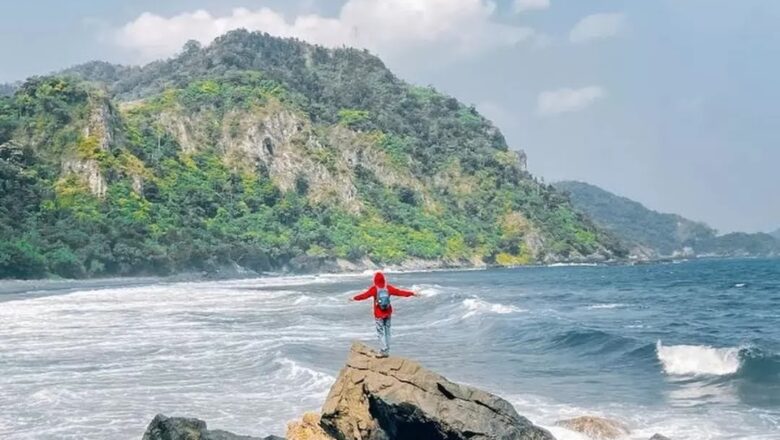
396 398
659 437
385 399
96 138
180 428
89 171
597 428
308 428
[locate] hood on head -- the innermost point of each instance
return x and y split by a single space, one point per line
379 279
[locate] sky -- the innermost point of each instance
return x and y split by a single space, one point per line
673 103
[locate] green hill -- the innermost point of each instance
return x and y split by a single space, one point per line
657 234
266 153
740 244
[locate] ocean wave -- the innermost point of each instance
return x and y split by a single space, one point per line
309 380
303 299
698 360
605 306
476 306
427 290
572 265
591 341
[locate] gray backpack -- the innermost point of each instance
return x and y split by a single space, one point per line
383 298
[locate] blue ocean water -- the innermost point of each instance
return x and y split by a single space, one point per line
690 349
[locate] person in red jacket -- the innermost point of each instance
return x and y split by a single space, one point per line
381 292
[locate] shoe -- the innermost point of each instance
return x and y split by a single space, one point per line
382 355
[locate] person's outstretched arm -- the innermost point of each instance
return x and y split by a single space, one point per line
365 295
398 292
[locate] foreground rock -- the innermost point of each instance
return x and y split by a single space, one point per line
395 398
659 437
385 399
180 428
308 428
595 427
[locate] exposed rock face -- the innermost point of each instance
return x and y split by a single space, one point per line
99 124
595 427
308 428
98 131
659 437
180 428
395 398
89 171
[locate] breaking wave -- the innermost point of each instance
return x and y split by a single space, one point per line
476 306
696 360
605 306
427 290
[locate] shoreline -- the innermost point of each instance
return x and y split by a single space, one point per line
10 286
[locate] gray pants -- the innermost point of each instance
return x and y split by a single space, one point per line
383 333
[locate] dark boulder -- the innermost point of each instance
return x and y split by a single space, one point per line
395 398
180 428
659 437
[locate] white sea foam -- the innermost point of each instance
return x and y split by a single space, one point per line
227 352
427 290
476 306
572 265
303 299
695 360
309 379
606 306
682 423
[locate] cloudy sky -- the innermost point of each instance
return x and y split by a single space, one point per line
673 103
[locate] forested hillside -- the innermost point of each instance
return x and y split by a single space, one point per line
656 234
260 151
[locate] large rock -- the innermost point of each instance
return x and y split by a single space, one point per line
659 437
180 428
597 428
395 398
308 428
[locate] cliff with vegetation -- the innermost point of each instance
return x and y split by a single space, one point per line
653 234
267 154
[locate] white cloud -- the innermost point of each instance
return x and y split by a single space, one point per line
598 26
530 5
567 100
388 27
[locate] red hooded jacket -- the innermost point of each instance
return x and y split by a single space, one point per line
379 281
